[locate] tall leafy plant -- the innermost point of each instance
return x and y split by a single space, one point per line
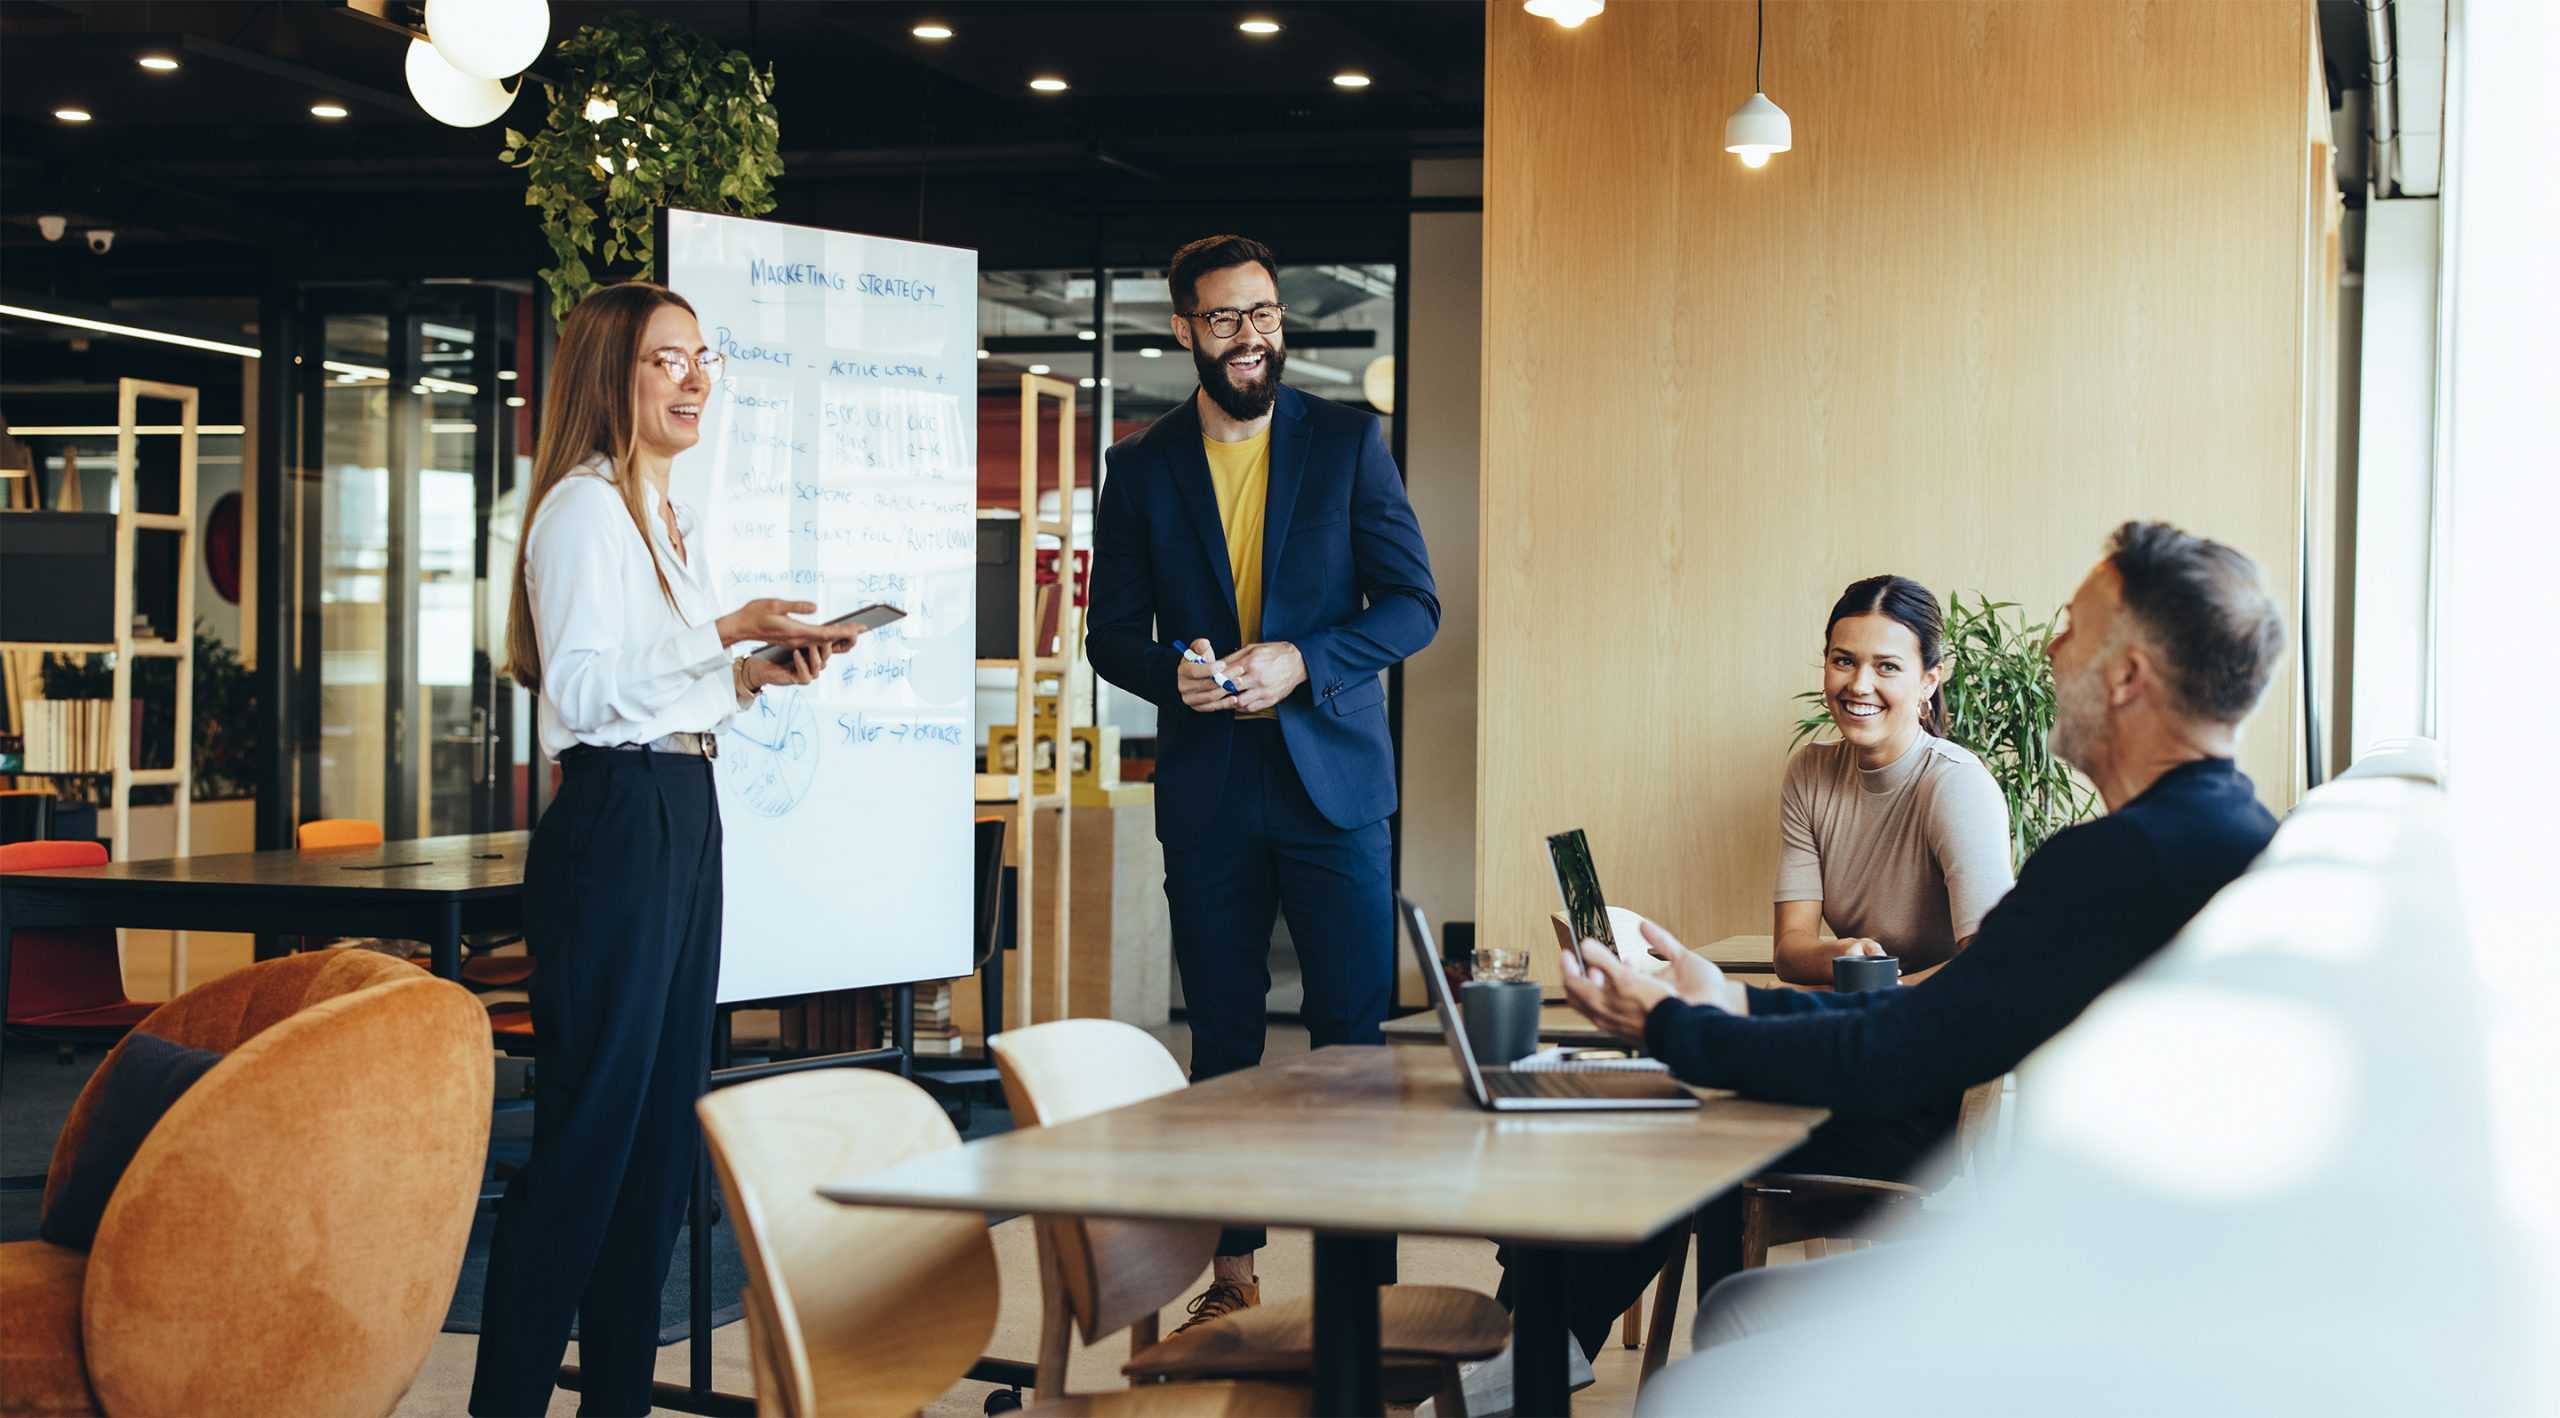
1999 694
645 115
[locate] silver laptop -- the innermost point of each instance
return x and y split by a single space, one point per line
1504 1091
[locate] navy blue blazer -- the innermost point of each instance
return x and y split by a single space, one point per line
1345 578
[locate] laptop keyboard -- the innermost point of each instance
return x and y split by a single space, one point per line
1549 1085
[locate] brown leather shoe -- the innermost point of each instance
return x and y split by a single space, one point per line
1221 1299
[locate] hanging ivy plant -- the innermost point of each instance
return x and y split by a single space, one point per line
644 115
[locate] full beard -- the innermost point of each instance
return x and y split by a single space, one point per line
1250 401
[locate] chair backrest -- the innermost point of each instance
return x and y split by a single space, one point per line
1112 1273
53 969
988 887
26 814
851 1310
288 1237
327 832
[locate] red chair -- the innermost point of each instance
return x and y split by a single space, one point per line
65 983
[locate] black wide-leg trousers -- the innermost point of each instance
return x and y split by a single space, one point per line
622 917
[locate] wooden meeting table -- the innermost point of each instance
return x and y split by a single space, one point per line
1361 1145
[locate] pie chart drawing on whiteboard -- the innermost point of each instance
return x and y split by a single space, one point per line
770 753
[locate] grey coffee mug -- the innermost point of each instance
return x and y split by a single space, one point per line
1501 1018
1852 973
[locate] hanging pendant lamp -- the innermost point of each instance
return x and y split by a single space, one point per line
1759 127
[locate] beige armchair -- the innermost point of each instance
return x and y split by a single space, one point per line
288 1237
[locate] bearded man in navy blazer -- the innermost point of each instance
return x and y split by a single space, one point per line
1269 533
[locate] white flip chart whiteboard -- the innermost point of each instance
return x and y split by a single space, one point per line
839 464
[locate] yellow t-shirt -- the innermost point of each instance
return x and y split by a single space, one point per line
1241 473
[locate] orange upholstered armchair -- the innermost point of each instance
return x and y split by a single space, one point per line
288 1237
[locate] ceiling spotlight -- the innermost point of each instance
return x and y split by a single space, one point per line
1085 383
1568 14
158 63
1039 369
515 401
1260 27
1047 84
506 374
1150 352
1351 79
1085 335
1759 127
72 115
931 31
331 111
982 354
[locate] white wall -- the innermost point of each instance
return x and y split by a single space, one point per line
1443 377
2395 473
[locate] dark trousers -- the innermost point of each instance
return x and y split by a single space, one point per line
1600 1285
1272 851
622 917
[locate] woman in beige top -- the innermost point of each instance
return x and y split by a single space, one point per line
1896 837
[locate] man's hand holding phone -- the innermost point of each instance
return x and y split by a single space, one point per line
1619 999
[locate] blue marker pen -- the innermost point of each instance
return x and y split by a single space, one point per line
1195 657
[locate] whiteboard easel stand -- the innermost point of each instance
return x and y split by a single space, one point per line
130 521
1031 666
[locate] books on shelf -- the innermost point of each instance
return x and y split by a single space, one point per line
67 735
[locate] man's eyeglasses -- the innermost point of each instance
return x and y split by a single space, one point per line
1225 321
680 364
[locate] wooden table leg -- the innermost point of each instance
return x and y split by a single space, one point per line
1538 1334
1346 1325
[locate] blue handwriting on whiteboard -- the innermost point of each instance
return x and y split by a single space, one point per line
862 728
750 354
791 273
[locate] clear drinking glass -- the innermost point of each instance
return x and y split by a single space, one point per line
1496 962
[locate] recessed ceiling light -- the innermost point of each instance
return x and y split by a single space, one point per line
1351 79
931 31
1085 335
1039 369
982 354
1047 84
158 63
515 401
72 115
330 111
1085 383
1150 352
1260 27
506 374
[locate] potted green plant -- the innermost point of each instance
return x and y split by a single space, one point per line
645 115
1999 695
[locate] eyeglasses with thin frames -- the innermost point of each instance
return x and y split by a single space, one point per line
679 364
1226 320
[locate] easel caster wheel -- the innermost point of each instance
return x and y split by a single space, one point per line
1004 1400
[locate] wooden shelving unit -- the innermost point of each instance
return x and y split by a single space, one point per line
1031 668
131 521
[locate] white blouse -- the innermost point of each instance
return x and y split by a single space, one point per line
618 665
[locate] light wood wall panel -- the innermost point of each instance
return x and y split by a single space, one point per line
2032 269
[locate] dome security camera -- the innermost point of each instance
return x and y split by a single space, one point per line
53 227
101 240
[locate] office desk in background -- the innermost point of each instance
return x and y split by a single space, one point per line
1361 1145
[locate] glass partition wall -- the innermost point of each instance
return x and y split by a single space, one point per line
411 438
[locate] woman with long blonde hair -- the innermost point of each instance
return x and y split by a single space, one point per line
612 628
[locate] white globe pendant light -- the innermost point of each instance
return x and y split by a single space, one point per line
1759 127
489 39
449 95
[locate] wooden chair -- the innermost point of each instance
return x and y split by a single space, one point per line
1828 1214
1103 1276
867 1310
483 970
